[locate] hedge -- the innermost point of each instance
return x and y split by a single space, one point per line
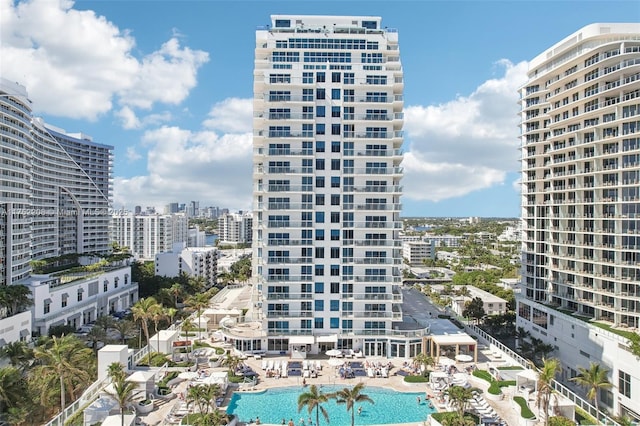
525 411
416 379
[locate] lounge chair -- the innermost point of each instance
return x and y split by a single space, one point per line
264 364
318 365
370 372
270 365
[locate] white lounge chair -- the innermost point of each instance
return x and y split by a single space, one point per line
318 365
305 365
264 364
270 365
383 372
370 372
306 374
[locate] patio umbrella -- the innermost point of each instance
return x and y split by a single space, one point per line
188 375
464 358
445 361
335 362
333 352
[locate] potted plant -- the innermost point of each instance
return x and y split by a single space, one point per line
145 406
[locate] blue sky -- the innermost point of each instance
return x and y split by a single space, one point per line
169 84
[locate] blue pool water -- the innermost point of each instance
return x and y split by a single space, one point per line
390 407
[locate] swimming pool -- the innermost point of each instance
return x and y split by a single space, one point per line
273 405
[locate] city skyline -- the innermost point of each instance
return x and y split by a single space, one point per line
175 102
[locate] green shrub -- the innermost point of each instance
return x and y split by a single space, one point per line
416 379
484 375
513 367
220 351
201 344
525 411
494 389
560 421
584 418
451 417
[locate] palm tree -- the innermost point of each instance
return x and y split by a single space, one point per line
593 379
19 354
143 312
12 389
546 377
157 315
64 360
187 327
123 391
232 361
125 329
170 313
423 360
313 400
95 335
351 396
202 396
459 398
198 302
176 290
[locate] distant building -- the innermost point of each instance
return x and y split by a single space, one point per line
235 228
147 235
193 261
171 208
415 252
445 240
197 238
493 305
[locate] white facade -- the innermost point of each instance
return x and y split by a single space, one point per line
197 238
193 261
63 300
492 305
147 235
235 228
415 252
328 117
55 192
580 148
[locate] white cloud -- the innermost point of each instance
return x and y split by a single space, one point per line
467 144
132 154
77 64
199 165
231 115
128 118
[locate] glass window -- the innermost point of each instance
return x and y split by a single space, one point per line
335 288
624 383
320 94
320 129
320 182
334 322
319 305
320 77
319 322
319 199
319 288
335 111
319 217
335 77
335 180
335 94
319 146
319 234
320 111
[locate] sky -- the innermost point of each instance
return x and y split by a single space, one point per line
169 84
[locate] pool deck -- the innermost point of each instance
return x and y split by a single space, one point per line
328 376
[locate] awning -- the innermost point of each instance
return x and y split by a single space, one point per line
24 332
92 309
331 338
48 300
65 295
74 316
81 290
301 340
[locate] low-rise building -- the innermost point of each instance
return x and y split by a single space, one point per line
236 228
493 305
415 252
148 234
75 299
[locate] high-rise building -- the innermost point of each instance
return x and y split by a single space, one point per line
580 127
55 192
235 228
327 151
148 234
